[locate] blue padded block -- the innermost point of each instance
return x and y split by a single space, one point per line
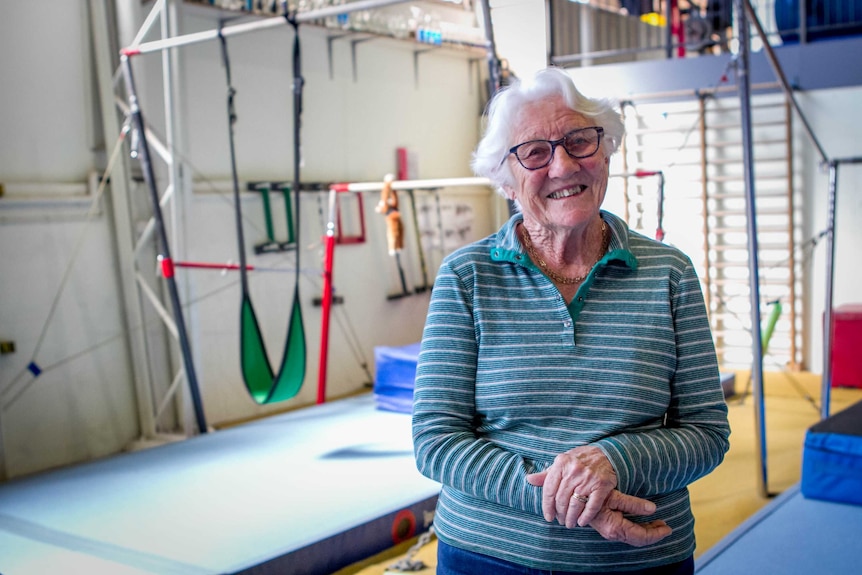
832 458
396 371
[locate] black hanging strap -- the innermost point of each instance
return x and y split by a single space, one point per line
264 384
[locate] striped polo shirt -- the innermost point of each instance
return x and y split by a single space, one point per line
509 376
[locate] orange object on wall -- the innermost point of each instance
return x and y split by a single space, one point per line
847 346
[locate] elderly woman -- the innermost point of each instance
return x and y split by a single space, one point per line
567 389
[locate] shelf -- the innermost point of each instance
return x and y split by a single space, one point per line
421 26
429 23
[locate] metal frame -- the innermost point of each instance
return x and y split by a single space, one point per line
178 326
127 248
742 73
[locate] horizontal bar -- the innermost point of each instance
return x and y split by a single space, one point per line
229 266
854 160
411 184
448 183
245 27
637 174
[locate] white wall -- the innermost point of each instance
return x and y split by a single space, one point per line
46 119
520 34
835 125
81 406
60 305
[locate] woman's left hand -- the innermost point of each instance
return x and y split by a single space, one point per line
614 526
576 486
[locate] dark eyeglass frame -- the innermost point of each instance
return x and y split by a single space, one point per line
554 143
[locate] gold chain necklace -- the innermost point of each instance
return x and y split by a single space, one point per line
528 243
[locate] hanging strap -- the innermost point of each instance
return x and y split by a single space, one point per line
263 383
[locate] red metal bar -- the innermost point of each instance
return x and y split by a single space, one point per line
327 306
326 300
677 29
403 164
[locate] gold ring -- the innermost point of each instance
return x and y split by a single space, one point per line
581 498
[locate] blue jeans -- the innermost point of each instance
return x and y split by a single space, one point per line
455 561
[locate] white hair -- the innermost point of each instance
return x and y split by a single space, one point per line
502 113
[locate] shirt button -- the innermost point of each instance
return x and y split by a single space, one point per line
580 299
567 323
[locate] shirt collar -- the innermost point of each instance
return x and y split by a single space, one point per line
507 245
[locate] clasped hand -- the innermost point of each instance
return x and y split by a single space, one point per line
579 489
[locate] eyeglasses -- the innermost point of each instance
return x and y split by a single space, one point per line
579 144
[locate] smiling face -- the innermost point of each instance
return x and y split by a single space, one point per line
566 194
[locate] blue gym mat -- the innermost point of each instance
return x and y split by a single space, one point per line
792 535
309 491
